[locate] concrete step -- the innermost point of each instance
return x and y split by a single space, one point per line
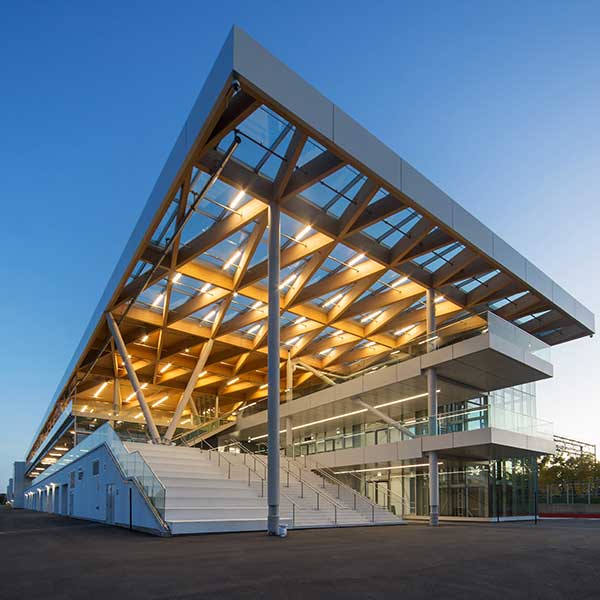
169 480
215 513
214 501
213 491
182 526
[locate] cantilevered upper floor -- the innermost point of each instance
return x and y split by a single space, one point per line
364 235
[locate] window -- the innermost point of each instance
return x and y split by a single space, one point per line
96 467
72 479
80 474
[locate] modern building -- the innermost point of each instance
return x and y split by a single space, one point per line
304 328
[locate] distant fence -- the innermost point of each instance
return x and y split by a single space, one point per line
572 492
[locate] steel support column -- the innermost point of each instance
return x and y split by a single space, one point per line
116 397
432 405
122 349
289 394
189 388
273 344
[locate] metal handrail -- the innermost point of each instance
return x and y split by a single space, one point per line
204 426
230 464
327 471
303 483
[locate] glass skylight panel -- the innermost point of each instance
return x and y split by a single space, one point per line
166 226
229 251
381 193
311 150
178 298
271 161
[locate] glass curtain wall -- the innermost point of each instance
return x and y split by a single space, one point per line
478 489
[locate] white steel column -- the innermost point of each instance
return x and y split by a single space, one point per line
189 388
289 394
114 330
273 345
116 397
434 486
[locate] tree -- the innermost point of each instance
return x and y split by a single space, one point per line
561 468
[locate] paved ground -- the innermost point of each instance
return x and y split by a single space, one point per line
52 557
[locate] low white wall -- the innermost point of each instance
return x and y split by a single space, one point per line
75 491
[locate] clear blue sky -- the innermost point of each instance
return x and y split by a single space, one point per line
497 102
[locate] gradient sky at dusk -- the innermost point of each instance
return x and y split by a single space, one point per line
497 103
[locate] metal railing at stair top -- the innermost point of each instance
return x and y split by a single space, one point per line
252 469
220 456
206 427
326 472
319 496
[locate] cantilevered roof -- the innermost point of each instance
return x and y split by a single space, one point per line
364 234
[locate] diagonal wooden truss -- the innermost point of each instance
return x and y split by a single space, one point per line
363 327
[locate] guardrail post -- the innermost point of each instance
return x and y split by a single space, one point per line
589 494
373 513
318 508
228 470
301 489
293 514
354 501
334 514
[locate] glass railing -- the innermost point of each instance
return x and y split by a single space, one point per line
458 329
519 423
131 463
195 435
469 419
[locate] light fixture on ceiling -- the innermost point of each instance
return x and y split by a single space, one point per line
288 280
209 315
254 329
165 368
256 305
232 381
176 277
333 300
158 299
292 341
232 259
202 374
100 389
299 320
236 200
132 395
303 233
356 259
399 281
439 299
205 288
371 316
159 402
404 329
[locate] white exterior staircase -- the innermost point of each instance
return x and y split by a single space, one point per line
207 491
